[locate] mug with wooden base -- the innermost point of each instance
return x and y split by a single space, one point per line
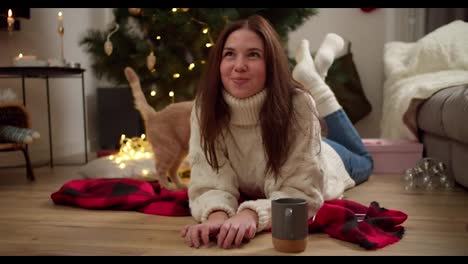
289 224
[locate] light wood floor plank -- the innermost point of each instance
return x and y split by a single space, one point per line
30 224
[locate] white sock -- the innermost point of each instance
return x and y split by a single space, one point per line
304 72
330 47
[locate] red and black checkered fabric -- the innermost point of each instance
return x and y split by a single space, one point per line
377 228
123 194
340 219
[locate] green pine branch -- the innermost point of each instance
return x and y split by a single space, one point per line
181 42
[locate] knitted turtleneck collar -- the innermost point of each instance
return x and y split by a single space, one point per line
245 112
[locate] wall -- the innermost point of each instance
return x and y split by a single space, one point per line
367 31
38 36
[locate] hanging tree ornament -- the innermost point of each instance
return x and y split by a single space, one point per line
151 61
134 11
108 47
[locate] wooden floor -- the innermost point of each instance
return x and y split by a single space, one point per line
30 224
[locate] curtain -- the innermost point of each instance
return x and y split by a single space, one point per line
437 17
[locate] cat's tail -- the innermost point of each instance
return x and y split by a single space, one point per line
140 100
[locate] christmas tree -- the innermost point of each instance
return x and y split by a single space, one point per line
168 47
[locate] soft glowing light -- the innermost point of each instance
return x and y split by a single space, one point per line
171 94
174 10
176 75
208 45
202 61
134 148
10 20
20 55
191 66
153 93
205 30
158 37
60 21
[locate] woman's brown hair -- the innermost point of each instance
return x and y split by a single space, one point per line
276 115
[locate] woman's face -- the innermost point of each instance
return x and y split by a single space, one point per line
242 66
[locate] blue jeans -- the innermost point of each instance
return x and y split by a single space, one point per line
345 140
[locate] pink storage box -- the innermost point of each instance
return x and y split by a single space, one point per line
393 156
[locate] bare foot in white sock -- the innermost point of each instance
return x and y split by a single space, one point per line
304 72
326 54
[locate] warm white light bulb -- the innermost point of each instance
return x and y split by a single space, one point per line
171 94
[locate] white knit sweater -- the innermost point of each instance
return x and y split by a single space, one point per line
313 170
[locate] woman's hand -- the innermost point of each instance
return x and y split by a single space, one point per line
237 228
193 233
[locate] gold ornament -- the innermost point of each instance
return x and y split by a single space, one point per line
108 47
134 11
151 61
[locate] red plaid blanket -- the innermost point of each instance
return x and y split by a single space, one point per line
371 226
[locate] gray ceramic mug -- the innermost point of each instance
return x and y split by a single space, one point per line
289 224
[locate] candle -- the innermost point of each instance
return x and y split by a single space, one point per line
10 19
25 57
61 31
60 19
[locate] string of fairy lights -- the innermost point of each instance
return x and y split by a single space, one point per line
151 58
138 148
134 148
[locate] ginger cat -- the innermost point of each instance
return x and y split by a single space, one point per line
167 130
